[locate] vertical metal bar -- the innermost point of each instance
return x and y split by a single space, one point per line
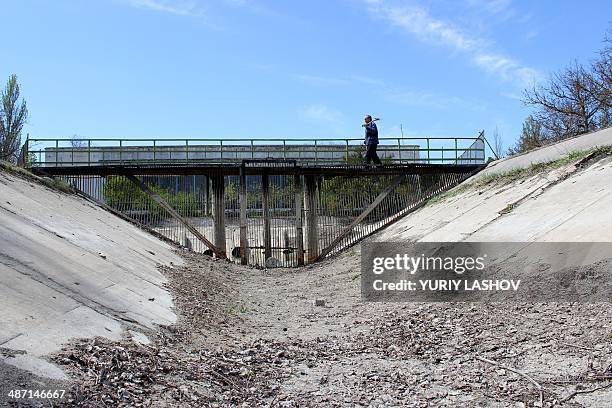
399 150
154 151
456 151
428 151
207 195
121 152
187 151
316 152
252 150
484 148
89 152
347 151
299 231
265 189
26 153
244 245
284 150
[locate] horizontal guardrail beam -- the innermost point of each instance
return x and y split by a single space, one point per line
67 152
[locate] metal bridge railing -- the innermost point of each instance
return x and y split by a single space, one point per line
41 152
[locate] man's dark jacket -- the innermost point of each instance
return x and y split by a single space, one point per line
371 134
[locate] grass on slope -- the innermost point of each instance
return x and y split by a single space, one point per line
53 183
520 173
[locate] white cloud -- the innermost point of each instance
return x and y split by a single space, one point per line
419 23
386 90
177 7
419 98
322 113
506 68
196 8
491 6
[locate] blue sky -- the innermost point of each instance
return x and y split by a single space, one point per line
308 69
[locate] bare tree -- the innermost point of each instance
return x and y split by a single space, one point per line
602 69
76 141
569 104
13 115
498 144
576 100
532 136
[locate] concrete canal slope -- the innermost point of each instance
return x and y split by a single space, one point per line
553 194
70 269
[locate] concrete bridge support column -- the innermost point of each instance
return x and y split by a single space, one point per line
218 190
312 219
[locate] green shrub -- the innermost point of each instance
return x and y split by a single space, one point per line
123 195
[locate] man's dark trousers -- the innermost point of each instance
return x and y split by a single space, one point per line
371 154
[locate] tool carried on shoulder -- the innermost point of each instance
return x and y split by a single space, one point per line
373 120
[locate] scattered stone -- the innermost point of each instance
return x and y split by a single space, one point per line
6 352
272 262
139 338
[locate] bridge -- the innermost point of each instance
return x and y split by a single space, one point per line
263 202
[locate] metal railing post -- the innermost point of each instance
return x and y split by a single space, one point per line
89 152
187 151
121 152
316 152
26 153
347 151
154 151
456 151
428 152
399 150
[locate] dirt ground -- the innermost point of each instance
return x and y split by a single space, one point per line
252 337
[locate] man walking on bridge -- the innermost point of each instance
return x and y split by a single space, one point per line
371 141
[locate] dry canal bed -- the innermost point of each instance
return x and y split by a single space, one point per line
251 337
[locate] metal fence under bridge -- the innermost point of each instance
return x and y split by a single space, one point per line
267 209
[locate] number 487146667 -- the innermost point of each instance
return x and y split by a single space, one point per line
36 394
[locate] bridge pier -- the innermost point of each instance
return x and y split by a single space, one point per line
312 219
218 190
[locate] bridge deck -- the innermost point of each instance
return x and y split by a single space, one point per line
272 167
